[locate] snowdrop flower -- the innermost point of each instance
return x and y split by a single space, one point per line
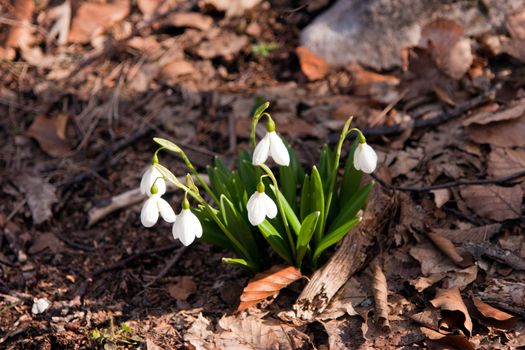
154 206
152 176
259 206
271 145
187 226
365 158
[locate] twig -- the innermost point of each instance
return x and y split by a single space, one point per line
168 266
496 181
438 120
480 249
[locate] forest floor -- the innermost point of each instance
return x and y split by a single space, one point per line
77 120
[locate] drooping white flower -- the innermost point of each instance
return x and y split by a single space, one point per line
365 158
154 206
152 176
187 227
259 206
271 145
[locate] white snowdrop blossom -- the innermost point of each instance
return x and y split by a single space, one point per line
259 206
271 145
152 176
154 206
365 158
187 227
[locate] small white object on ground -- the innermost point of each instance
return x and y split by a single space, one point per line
40 306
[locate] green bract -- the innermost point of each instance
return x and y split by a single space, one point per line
317 205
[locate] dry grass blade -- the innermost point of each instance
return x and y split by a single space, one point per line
448 248
268 283
491 316
381 296
453 309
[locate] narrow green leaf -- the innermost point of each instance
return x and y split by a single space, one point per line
242 263
334 236
289 177
249 175
167 174
351 177
305 198
211 232
167 144
305 235
317 201
326 164
352 206
293 220
217 185
276 241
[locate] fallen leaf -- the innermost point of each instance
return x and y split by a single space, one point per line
505 161
182 288
438 341
428 318
226 45
507 294
380 289
40 196
45 241
516 24
151 7
20 34
199 333
491 316
494 202
312 65
344 334
171 72
453 309
268 283
231 7
150 345
61 14
92 19
448 248
189 20
147 45
50 134
449 48
508 133
485 117
344 300
441 197
475 234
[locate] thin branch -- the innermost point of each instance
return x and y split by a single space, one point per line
496 181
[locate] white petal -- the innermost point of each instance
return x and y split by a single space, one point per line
260 154
278 150
166 211
145 182
257 210
150 175
185 227
269 204
356 158
150 212
367 159
194 223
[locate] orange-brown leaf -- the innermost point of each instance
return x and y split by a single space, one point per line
494 202
51 134
448 248
438 341
381 296
453 309
313 66
268 283
491 316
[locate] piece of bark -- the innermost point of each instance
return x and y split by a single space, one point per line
348 259
494 252
505 294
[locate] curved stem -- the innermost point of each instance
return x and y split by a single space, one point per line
207 188
281 208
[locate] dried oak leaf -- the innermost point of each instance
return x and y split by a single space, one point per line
312 65
182 288
491 316
453 310
494 202
449 48
438 341
40 196
226 45
505 161
490 115
508 133
268 283
448 248
50 134
380 288
344 300
189 20
475 234
92 19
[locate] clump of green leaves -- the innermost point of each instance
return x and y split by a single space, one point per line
112 337
264 49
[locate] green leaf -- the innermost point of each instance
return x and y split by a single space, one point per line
351 177
326 164
167 174
276 241
317 200
293 220
352 206
212 233
242 263
305 198
289 176
305 235
249 175
217 185
260 110
334 236
167 144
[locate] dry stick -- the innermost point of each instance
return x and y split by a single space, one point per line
348 259
496 181
432 122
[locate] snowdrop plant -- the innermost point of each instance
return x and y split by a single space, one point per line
270 202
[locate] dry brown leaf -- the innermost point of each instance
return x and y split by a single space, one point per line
438 341
45 241
51 134
453 309
268 283
20 35
40 196
516 24
448 248
505 161
343 302
475 234
450 50
380 288
189 20
226 45
491 316
506 294
172 71
312 65
92 19
488 116
494 202
231 7
345 333
428 318
150 7
441 196
182 287
507 133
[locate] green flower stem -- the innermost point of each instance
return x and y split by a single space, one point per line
155 158
255 120
213 213
203 183
281 209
